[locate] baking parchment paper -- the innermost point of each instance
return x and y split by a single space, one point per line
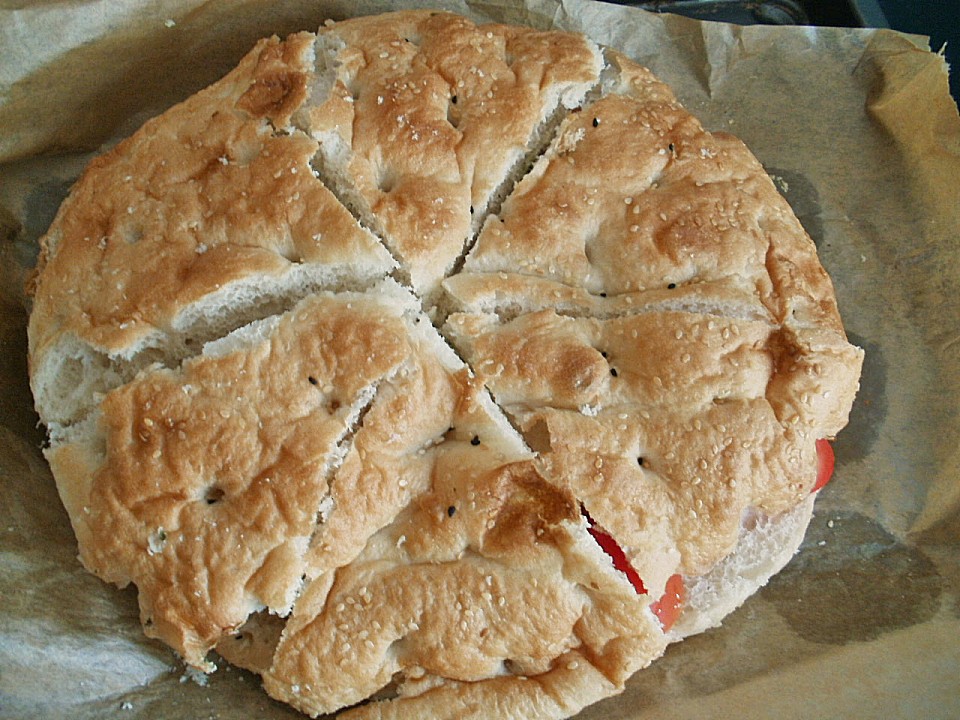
860 134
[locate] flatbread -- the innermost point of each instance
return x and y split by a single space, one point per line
425 368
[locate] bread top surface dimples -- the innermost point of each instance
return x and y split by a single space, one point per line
204 199
429 116
202 485
330 495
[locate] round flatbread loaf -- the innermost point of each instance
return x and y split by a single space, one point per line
424 367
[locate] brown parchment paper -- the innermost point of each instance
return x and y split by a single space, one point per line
860 134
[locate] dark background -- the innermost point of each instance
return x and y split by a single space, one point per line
938 19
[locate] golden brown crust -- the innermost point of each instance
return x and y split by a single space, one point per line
205 197
210 478
432 113
665 424
330 496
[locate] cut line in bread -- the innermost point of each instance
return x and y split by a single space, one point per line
253 421
664 424
203 485
424 121
205 219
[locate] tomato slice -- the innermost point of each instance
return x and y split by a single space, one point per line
667 608
825 462
619 557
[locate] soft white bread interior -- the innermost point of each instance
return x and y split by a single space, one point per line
764 546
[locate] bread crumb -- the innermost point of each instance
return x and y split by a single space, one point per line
197 676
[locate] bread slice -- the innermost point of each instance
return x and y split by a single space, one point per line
633 199
204 220
441 532
666 425
765 545
424 119
202 485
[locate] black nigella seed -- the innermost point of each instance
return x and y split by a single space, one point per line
475 440
454 99
672 147
451 511
671 286
640 461
596 122
613 371
313 380
471 209
603 354
603 294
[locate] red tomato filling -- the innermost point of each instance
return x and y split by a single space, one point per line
667 608
620 562
825 462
